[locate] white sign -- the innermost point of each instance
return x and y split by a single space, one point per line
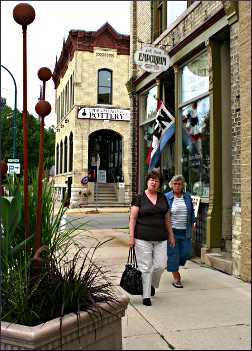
104 113
101 176
10 160
152 59
105 54
13 168
121 185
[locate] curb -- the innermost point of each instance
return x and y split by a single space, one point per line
97 210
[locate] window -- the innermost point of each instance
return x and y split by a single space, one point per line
195 78
159 17
174 10
65 155
71 152
57 159
61 156
104 87
148 111
195 125
149 104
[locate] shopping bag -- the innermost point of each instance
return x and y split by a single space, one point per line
131 280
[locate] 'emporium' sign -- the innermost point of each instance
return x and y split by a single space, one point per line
104 113
152 59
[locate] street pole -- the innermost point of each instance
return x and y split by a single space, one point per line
24 14
43 108
14 113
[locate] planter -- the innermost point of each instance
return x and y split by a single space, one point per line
101 330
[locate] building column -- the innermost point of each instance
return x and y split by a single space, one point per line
178 131
245 104
214 216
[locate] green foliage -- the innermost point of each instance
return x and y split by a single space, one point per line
33 139
68 279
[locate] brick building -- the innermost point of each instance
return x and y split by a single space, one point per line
92 107
208 43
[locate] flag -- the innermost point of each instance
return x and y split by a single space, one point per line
163 130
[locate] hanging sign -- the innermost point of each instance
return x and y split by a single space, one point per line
152 59
104 113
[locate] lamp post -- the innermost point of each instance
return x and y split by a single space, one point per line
14 113
24 14
43 108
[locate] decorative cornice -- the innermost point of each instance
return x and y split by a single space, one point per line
232 10
203 27
78 40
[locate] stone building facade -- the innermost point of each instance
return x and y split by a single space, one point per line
208 44
93 118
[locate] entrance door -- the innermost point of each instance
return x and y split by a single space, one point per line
105 148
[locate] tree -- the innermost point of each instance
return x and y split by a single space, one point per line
33 140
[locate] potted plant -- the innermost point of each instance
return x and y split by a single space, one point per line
68 303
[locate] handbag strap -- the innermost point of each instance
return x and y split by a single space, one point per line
132 257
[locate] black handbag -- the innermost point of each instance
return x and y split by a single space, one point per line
131 280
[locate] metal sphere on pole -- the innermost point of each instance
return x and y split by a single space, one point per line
14 113
24 14
44 74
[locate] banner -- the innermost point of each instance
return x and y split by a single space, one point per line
163 130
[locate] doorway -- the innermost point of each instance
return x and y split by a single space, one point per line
105 154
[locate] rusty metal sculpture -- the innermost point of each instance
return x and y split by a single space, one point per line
43 109
24 14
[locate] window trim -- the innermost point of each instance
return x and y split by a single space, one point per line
111 86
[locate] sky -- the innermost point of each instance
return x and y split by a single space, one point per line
53 21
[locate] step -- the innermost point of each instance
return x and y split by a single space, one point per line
104 196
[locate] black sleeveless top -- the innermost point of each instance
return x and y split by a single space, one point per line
150 223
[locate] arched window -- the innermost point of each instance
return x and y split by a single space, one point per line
65 154
71 152
104 95
57 159
61 156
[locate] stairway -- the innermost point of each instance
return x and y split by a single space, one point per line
105 195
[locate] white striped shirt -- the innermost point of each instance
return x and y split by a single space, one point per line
179 213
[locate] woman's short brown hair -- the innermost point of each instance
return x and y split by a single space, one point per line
154 174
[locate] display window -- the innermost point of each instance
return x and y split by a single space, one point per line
195 127
194 78
148 105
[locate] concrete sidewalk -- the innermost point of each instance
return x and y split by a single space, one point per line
92 210
211 312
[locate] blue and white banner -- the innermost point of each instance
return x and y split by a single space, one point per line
163 130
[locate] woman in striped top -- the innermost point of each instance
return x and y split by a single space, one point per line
183 225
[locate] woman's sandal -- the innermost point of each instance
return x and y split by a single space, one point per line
177 284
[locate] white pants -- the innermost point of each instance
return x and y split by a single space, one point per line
152 260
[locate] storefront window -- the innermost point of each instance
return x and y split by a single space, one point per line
168 168
147 141
195 78
149 105
195 155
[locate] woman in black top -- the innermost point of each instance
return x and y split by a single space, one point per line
150 227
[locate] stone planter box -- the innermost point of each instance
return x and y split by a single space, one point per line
97 331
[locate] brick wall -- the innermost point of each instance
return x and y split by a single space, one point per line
245 162
132 95
236 147
235 112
